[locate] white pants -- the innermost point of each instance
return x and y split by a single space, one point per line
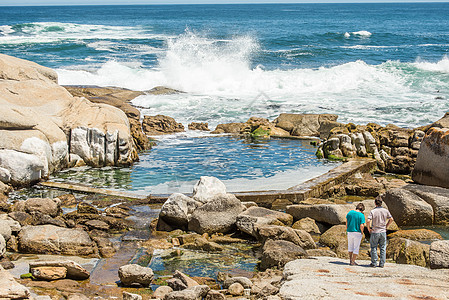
354 239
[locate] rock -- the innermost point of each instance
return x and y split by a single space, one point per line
307 224
439 255
408 252
5 229
129 296
248 220
74 270
215 295
274 232
116 212
9 288
266 283
97 224
408 209
233 128
321 252
56 240
245 282
176 284
199 126
303 124
105 246
77 296
182 295
134 274
177 210
189 282
86 208
2 246
157 125
326 127
161 291
207 188
437 197
416 234
5 177
201 243
333 214
217 215
331 278
46 206
162 90
49 273
236 289
432 163
278 253
336 239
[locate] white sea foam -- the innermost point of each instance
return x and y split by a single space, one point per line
48 32
440 66
362 33
222 86
347 35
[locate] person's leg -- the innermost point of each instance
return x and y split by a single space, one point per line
373 244
350 246
383 248
357 240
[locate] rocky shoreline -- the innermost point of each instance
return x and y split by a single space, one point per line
46 128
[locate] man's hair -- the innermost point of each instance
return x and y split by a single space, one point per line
360 207
378 201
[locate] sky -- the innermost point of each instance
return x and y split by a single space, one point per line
117 2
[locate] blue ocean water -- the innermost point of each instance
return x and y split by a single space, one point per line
385 63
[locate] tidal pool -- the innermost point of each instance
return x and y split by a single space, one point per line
178 161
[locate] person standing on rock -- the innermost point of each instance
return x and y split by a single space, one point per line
378 221
355 223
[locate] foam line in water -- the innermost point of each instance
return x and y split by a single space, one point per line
440 66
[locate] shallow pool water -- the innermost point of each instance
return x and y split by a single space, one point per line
178 161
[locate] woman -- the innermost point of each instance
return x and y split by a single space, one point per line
355 223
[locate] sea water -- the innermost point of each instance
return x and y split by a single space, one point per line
383 63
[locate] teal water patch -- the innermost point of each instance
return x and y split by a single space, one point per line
178 161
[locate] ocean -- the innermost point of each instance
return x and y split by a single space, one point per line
383 63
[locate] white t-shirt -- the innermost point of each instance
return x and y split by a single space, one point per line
379 217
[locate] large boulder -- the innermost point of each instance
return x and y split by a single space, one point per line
437 197
416 235
336 239
233 128
177 209
50 239
2 246
304 124
217 215
135 275
407 208
38 117
439 255
274 232
432 163
409 252
45 206
333 214
254 216
278 253
207 188
158 125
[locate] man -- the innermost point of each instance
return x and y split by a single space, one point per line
355 223
378 221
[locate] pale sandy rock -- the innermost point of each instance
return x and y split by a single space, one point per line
24 168
245 282
189 282
327 213
74 270
307 224
45 206
303 124
332 278
49 273
5 176
10 288
5 229
135 274
177 210
12 68
278 253
248 220
161 291
130 296
54 239
207 188
236 289
2 246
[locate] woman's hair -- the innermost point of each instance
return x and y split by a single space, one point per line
360 207
378 201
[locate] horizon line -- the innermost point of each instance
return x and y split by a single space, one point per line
240 3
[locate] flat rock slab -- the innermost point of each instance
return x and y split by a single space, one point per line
333 278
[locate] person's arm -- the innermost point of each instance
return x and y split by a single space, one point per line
368 225
390 220
362 226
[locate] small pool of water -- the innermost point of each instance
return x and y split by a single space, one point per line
178 161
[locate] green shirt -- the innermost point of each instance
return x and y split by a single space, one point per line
354 219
